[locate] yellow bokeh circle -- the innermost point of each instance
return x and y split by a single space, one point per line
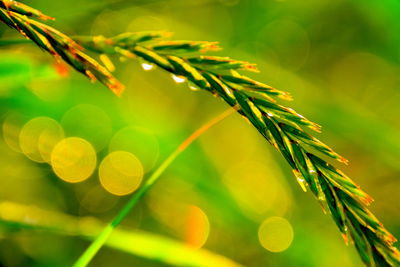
73 159
120 173
275 234
38 138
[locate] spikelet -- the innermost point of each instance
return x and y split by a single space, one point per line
21 17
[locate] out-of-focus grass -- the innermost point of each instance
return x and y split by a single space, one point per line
16 217
339 59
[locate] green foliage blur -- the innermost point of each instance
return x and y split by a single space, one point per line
230 191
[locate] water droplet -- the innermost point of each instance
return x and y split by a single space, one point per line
147 66
312 171
178 79
270 114
193 86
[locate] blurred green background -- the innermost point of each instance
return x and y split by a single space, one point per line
230 192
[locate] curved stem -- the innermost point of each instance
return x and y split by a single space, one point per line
95 246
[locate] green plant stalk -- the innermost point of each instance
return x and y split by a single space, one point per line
95 246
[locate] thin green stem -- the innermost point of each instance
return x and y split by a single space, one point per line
95 246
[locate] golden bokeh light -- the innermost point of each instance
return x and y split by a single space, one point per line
73 159
275 234
120 173
38 138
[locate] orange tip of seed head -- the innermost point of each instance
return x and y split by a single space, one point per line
91 76
211 46
343 160
389 238
117 88
285 96
45 17
367 200
251 67
316 128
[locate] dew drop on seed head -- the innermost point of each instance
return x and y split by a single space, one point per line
147 66
193 86
178 79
